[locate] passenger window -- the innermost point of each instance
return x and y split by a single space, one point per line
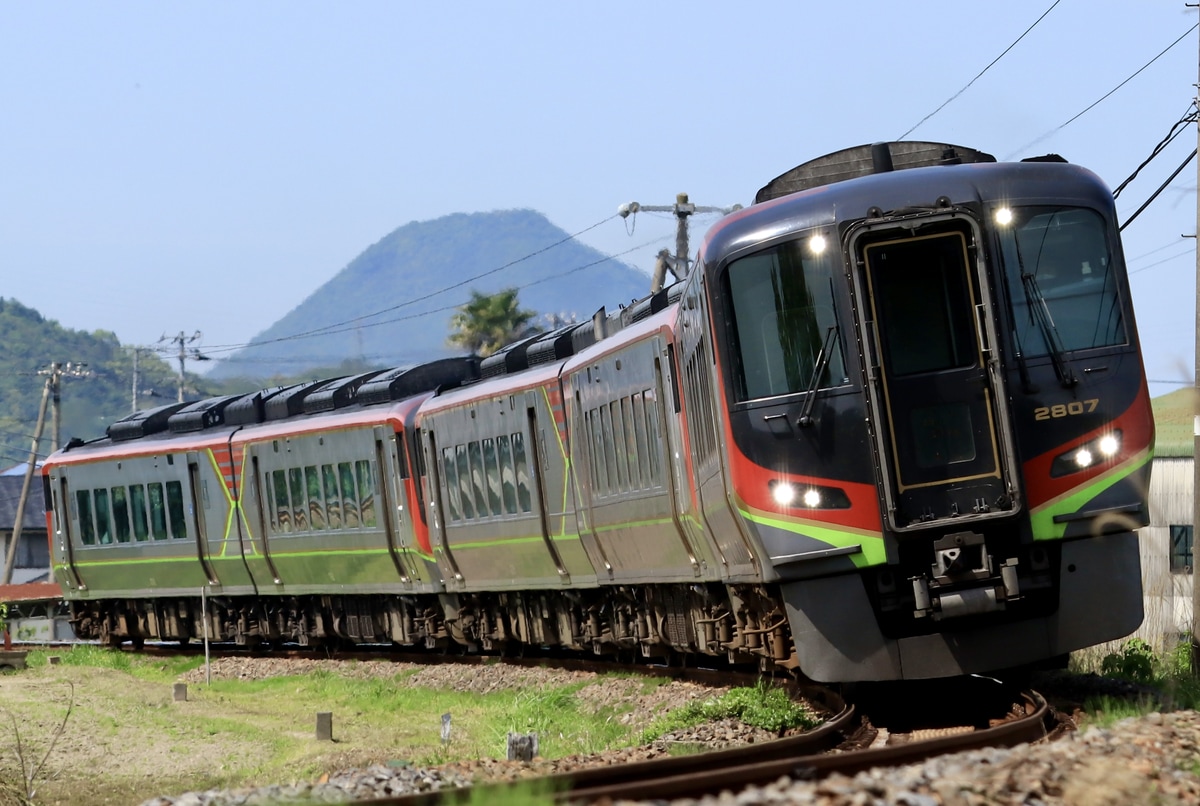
366 492
619 453
476 457
316 501
158 511
508 476
333 499
596 460
120 512
83 501
523 497
349 497
103 517
653 435
607 453
466 497
299 499
401 457
283 508
450 470
493 476
137 509
175 510
641 450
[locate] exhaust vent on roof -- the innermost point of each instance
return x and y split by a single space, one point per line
851 163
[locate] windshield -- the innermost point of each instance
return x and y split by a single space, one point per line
1060 281
782 306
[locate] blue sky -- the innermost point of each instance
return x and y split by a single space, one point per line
181 167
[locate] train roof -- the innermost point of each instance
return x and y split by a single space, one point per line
861 183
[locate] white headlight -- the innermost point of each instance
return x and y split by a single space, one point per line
1083 457
817 244
783 493
812 498
1004 216
1109 445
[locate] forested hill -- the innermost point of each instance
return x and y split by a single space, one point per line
91 399
396 284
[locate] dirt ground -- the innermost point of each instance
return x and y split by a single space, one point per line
127 739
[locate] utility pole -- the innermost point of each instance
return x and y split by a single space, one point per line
137 351
1196 420
54 376
183 355
682 208
15 537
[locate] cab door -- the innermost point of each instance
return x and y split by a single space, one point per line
934 382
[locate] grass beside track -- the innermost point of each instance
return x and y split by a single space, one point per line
126 739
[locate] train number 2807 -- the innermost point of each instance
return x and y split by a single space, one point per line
1065 409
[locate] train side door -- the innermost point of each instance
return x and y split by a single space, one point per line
924 306
198 488
392 472
62 549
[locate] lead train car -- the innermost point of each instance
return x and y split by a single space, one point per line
893 425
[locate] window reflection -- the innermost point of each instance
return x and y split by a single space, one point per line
1057 263
783 307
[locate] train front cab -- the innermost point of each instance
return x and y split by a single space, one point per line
1007 422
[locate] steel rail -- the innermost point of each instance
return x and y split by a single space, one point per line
804 756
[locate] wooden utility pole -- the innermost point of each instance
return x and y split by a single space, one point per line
11 554
682 208
184 354
55 374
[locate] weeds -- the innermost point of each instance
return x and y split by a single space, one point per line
764 706
29 767
1167 680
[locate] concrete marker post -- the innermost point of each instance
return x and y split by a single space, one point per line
324 726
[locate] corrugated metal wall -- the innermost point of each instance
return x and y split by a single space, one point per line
1168 595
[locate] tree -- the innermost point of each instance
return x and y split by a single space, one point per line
489 321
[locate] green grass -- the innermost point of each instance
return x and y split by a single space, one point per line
764 706
142 667
235 733
1167 680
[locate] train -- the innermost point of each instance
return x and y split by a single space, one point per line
893 424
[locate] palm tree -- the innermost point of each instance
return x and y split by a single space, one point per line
489 321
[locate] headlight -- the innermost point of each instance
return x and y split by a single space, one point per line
1089 454
807 496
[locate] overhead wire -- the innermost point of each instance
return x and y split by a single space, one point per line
1102 98
981 72
1177 255
330 328
345 327
1177 128
1161 188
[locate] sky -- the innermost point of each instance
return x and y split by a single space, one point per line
183 167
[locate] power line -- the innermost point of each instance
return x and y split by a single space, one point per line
981 72
1177 128
1188 251
1161 188
350 324
328 328
1095 103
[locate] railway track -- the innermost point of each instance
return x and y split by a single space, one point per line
926 721
814 754
873 726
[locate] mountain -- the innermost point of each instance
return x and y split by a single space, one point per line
392 304
95 388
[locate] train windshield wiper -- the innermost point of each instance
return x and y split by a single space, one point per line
1039 311
805 419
